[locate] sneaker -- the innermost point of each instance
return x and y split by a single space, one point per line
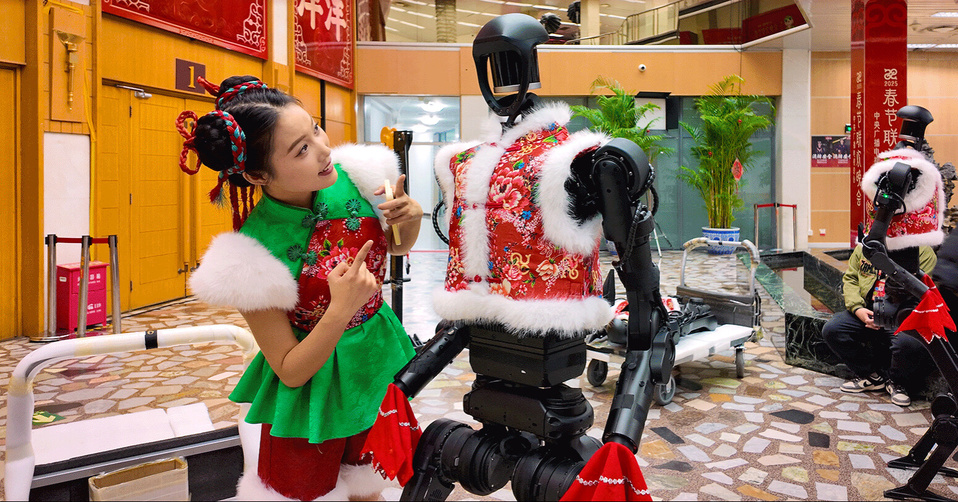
873 382
898 394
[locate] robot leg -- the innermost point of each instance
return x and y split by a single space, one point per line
481 461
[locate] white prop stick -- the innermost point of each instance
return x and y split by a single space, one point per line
389 196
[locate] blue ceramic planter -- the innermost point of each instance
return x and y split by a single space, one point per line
724 235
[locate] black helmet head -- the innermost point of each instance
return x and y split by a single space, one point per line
914 120
507 46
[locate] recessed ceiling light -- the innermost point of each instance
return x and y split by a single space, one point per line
921 46
945 14
947 46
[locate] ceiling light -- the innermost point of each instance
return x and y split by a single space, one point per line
947 46
474 13
432 106
945 14
429 119
406 23
921 46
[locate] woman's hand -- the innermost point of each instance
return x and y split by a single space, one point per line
402 207
351 284
402 212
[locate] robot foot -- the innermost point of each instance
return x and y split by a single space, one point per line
427 482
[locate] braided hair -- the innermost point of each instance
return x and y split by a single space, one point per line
236 138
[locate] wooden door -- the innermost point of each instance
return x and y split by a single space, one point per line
159 219
162 223
10 317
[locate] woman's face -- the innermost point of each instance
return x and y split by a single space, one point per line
300 159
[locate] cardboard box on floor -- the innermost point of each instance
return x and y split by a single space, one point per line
158 480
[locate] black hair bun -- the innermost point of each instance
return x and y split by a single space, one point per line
213 144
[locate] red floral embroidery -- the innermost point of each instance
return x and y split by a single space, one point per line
523 265
332 243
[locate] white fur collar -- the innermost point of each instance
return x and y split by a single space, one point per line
929 183
368 166
558 225
532 317
237 271
539 118
444 175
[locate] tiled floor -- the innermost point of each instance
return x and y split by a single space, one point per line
779 433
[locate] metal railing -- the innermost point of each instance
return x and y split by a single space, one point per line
778 237
20 458
51 241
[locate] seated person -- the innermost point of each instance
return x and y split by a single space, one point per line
879 359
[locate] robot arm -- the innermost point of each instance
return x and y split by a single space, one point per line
888 201
612 182
431 358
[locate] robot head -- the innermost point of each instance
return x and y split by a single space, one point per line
507 45
914 120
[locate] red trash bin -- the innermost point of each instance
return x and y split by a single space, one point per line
68 294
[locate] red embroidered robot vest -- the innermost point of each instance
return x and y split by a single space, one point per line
516 256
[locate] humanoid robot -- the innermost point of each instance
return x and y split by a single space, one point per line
523 290
912 304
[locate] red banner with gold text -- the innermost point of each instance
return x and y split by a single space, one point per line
324 39
879 59
238 25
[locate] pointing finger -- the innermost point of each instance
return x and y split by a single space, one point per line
360 259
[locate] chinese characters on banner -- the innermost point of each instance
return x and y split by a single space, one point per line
324 39
878 89
238 25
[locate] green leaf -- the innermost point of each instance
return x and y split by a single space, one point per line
728 121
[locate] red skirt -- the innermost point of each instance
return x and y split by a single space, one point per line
301 470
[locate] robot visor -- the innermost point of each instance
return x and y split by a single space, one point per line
507 71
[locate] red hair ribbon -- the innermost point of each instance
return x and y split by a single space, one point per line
237 90
209 86
188 137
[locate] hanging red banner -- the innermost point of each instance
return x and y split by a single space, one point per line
879 61
238 25
324 39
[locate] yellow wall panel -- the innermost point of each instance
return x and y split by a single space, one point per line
565 72
830 189
307 90
833 114
9 265
834 223
140 54
13 32
407 71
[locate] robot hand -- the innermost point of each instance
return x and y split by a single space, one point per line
612 181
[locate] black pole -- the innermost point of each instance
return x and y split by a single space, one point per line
322 104
402 140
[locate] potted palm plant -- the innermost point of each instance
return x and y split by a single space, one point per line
618 116
723 148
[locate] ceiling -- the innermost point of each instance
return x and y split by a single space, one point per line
414 20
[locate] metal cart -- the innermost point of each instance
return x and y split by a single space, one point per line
713 322
217 450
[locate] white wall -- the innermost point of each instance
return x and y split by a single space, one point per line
66 190
794 147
